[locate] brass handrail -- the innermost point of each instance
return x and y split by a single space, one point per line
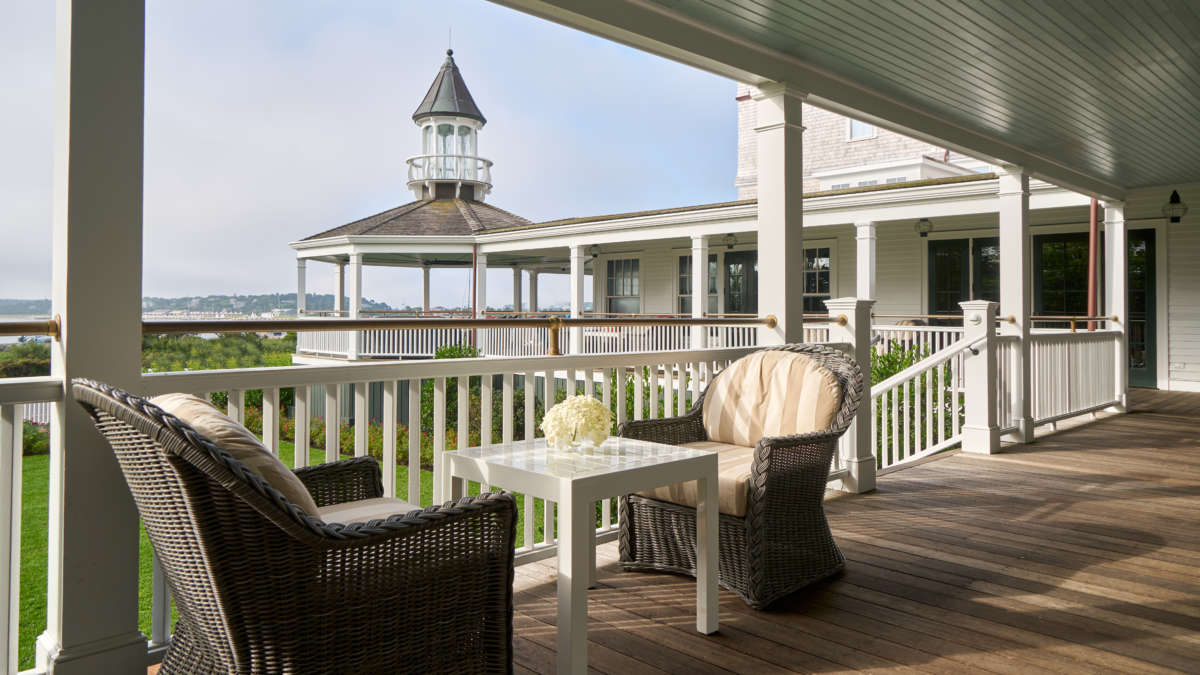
50 327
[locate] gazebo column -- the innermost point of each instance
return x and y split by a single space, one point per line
1116 292
425 289
699 290
339 295
1015 295
516 289
865 268
578 261
533 284
301 292
480 283
353 342
92 548
780 211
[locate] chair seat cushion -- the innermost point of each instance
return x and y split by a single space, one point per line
240 442
363 510
733 479
768 394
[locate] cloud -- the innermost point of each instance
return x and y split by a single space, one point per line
269 121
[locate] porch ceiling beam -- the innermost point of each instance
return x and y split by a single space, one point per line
659 30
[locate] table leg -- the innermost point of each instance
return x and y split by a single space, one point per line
574 519
441 480
707 555
592 547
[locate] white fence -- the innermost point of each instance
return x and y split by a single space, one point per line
926 339
324 343
38 413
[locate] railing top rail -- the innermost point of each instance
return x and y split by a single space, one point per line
48 327
270 325
30 389
1070 317
415 158
891 327
345 373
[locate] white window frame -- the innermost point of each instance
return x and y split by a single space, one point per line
640 285
830 244
712 278
850 137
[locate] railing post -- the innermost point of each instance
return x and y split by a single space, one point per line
1116 294
858 456
980 432
699 290
577 273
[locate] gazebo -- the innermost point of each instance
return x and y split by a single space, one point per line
449 181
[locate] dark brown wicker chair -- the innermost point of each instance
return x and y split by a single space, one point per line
262 587
783 543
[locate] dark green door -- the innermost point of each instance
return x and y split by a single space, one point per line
949 276
1143 371
741 282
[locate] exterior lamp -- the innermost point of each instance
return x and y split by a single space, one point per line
729 240
923 227
1174 209
594 251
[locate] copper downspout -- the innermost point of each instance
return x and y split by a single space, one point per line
1093 242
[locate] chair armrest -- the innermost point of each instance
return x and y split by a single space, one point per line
671 430
345 481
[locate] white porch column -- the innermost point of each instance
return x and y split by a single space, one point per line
92 552
516 289
780 190
980 433
1116 292
1015 293
425 288
339 294
578 260
858 455
699 290
865 268
533 284
301 291
354 338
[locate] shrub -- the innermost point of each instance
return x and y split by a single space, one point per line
35 439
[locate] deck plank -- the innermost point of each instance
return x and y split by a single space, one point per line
1079 552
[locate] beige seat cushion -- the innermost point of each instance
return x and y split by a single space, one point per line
733 479
768 394
238 441
364 509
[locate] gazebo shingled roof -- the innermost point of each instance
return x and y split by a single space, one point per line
430 217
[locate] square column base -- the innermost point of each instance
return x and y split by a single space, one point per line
981 440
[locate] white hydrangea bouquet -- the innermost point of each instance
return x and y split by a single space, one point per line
577 419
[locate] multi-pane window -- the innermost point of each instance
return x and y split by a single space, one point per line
897 179
818 266
865 183
685 284
860 130
622 292
839 186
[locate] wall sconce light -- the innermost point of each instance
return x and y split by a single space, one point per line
923 227
594 251
730 240
1174 209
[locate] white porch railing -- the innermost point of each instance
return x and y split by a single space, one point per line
324 343
1073 373
920 410
926 339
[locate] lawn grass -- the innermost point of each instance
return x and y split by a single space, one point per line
34 531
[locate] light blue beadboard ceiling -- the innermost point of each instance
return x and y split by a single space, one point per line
1109 89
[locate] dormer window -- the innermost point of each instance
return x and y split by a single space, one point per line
858 131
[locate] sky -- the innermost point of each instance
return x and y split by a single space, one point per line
271 120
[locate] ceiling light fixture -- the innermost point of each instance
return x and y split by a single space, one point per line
1174 209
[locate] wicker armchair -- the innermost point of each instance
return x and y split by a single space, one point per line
262 587
783 542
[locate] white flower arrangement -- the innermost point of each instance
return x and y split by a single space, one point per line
578 418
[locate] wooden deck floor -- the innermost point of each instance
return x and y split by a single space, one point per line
1079 553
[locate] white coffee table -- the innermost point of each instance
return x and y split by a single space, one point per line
576 480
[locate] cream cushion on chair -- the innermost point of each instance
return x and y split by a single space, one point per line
733 479
238 441
364 510
767 394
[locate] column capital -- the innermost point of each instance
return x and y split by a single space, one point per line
301 262
1114 211
1012 181
771 90
779 107
865 229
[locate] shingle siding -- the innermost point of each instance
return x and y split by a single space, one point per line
825 145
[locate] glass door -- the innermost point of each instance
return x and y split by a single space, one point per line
949 277
741 282
1143 371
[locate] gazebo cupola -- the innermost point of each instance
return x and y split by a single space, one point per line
449 166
